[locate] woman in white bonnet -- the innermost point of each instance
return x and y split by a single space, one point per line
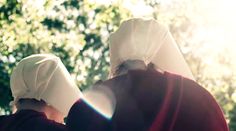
44 93
153 86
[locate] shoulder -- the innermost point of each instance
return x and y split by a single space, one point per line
3 120
30 120
51 125
82 116
189 89
3 117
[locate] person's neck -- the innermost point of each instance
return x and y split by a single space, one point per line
135 65
131 65
47 110
30 107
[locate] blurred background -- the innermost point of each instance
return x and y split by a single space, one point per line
77 32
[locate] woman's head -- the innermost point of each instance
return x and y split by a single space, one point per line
133 65
129 65
44 77
148 41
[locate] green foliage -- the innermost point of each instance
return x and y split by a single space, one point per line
232 115
58 27
10 7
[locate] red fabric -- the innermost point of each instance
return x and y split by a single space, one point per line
194 108
81 118
152 101
146 101
29 120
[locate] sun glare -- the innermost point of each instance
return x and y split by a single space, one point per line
218 28
215 29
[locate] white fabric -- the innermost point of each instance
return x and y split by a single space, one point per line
44 77
149 41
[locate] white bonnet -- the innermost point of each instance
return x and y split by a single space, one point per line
44 77
149 41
